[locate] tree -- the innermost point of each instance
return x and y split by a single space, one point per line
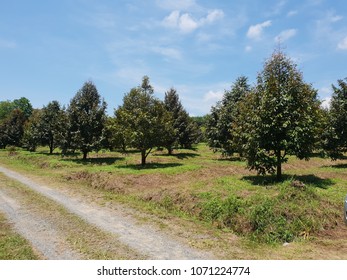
87 119
201 123
143 118
279 118
222 116
32 135
184 131
12 129
335 134
6 107
52 125
24 105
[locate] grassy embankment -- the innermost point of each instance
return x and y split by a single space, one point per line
217 195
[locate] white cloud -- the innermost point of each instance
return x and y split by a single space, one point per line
292 13
248 48
172 19
342 45
5 44
187 24
176 4
255 31
212 16
285 35
213 96
171 53
277 9
335 18
326 103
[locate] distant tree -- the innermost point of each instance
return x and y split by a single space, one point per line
87 119
32 135
52 125
116 137
218 131
24 105
142 118
12 129
6 107
279 118
335 134
201 123
185 132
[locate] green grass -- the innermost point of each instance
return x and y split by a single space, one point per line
84 238
12 245
201 185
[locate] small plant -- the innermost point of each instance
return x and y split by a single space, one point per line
12 151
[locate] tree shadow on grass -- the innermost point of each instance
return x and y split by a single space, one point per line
180 155
309 179
95 161
149 166
339 165
230 159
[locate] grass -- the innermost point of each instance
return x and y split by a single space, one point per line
12 245
88 240
219 196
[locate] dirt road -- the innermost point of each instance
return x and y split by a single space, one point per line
146 240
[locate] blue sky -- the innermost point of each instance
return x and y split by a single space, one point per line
48 49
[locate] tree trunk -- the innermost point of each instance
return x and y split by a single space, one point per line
279 165
85 153
169 151
143 157
51 145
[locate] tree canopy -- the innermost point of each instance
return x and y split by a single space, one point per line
144 119
87 119
335 134
279 117
223 115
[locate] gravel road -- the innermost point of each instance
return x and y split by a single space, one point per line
142 238
40 232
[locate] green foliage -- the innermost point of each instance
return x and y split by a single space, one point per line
87 118
184 131
23 104
143 119
224 212
32 136
335 134
52 125
220 121
13 115
12 129
278 119
6 107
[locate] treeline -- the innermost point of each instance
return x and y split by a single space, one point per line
142 122
279 116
